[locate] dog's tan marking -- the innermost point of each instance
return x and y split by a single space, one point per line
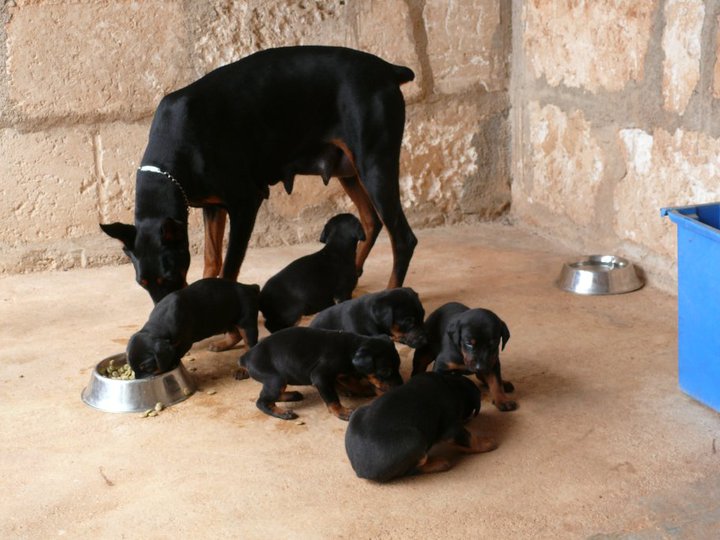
497 392
477 445
214 221
433 464
368 217
343 413
230 339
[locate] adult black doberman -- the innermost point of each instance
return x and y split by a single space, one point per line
221 141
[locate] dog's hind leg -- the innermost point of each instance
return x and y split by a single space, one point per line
377 158
271 392
368 217
227 342
214 218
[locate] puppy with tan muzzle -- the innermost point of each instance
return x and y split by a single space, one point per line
467 340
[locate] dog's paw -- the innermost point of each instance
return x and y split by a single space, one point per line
242 374
508 387
287 415
506 406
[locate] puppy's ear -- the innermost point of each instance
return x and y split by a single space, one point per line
121 231
504 333
173 231
165 355
383 314
359 231
453 331
363 361
325 233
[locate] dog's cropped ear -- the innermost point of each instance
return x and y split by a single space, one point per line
173 231
121 231
359 231
383 314
504 333
453 332
165 355
363 361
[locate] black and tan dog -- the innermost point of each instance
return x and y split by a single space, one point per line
397 313
391 436
307 356
207 307
221 141
315 281
467 341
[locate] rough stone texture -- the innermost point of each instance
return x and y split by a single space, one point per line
590 45
95 71
567 162
663 169
464 46
92 58
641 80
438 157
716 71
118 150
384 28
47 189
227 30
487 192
681 45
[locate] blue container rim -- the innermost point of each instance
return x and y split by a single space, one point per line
687 216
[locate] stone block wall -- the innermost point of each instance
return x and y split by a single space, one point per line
80 79
615 114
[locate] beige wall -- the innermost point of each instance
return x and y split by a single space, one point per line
79 81
615 115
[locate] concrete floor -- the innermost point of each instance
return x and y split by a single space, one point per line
603 445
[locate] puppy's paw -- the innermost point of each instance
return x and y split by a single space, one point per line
242 374
506 406
343 413
433 465
286 415
508 387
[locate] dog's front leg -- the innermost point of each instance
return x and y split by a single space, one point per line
242 221
214 218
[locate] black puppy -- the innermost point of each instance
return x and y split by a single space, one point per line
220 142
207 307
391 436
316 281
467 341
397 313
307 356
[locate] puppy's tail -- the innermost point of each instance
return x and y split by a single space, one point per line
403 74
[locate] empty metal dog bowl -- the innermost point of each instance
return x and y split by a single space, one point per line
599 274
116 395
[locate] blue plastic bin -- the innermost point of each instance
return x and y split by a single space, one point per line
698 244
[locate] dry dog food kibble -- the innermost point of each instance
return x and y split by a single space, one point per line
118 371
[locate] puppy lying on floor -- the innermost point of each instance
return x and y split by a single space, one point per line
391 436
467 341
316 281
203 309
308 356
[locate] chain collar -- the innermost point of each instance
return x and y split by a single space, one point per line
153 169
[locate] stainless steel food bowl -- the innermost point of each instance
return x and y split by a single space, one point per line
116 395
599 274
